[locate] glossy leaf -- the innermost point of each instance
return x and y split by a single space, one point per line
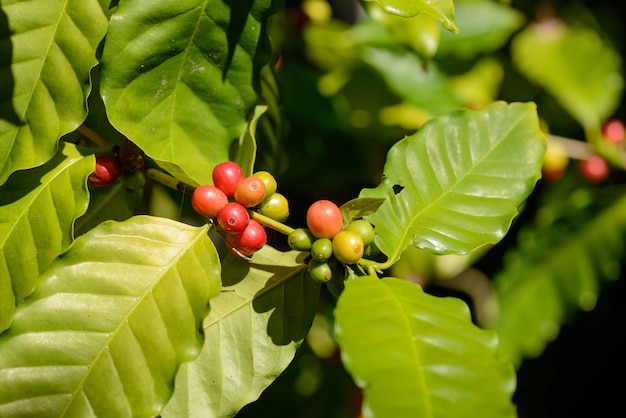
37 212
416 355
539 291
111 320
52 47
442 10
484 26
457 183
179 78
575 66
251 334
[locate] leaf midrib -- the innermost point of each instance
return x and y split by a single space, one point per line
409 335
410 231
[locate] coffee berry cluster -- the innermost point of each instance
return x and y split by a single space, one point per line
326 238
594 168
228 200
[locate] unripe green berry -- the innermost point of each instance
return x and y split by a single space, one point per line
275 207
320 271
364 229
322 249
300 239
348 247
269 181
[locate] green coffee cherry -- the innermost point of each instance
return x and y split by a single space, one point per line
364 229
269 181
322 249
348 247
300 239
135 180
320 271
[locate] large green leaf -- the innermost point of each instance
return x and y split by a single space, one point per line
485 26
575 66
37 212
179 78
442 10
251 334
416 355
542 285
111 320
458 182
52 46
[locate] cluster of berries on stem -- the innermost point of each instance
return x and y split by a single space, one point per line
230 200
592 166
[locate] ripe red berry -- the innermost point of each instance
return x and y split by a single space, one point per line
324 219
208 200
233 217
250 191
252 239
614 131
595 169
226 176
108 169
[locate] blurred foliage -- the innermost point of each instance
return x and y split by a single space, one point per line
355 81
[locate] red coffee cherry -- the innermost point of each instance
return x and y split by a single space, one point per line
614 131
250 191
233 218
208 200
324 219
226 177
595 169
252 239
108 170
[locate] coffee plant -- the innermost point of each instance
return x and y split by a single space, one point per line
194 192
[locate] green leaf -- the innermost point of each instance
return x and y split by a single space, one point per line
358 208
485 26
430 360
52 47
37 212
179 78
111 320
442 10
541 291
251 334
457 183
425 87
575 66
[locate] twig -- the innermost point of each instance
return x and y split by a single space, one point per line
93 136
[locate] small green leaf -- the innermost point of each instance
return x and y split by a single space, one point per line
457 183
575 66
358 208
430 360
442 10
37 212
50 48
179 78
110 322
251 334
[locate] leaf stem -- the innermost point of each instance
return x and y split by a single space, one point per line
169 181
93 136
270 223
